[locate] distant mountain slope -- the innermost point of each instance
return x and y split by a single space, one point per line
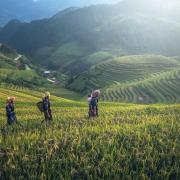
16 69
11 57
89 30
27 10
7 51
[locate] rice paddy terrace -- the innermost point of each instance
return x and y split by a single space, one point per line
137 79
158 88
126 141
131 68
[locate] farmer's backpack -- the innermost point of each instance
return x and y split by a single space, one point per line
40 106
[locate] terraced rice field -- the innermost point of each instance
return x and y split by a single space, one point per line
139 79
130 68
158 88
134 79
125 142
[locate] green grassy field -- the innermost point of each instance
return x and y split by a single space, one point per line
127 141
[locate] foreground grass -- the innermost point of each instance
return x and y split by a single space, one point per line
125 142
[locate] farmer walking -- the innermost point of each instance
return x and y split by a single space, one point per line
10 111
93 103
46 105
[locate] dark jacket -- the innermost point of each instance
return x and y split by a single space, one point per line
94 102
47 109
46 104
10 113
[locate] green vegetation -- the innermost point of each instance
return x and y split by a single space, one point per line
158 88
22 78
157 81
15 73
7 51
64 56
105 46
133 79
59 90
98 57
77 35
102 47
148 59
13 69
83 49
137 79
126 141
6 56
6 62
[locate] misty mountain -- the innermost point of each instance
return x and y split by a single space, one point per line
68 39
164 9
27 10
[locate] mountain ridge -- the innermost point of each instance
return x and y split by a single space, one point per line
28 10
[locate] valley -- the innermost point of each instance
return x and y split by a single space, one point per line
99 47
129 50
